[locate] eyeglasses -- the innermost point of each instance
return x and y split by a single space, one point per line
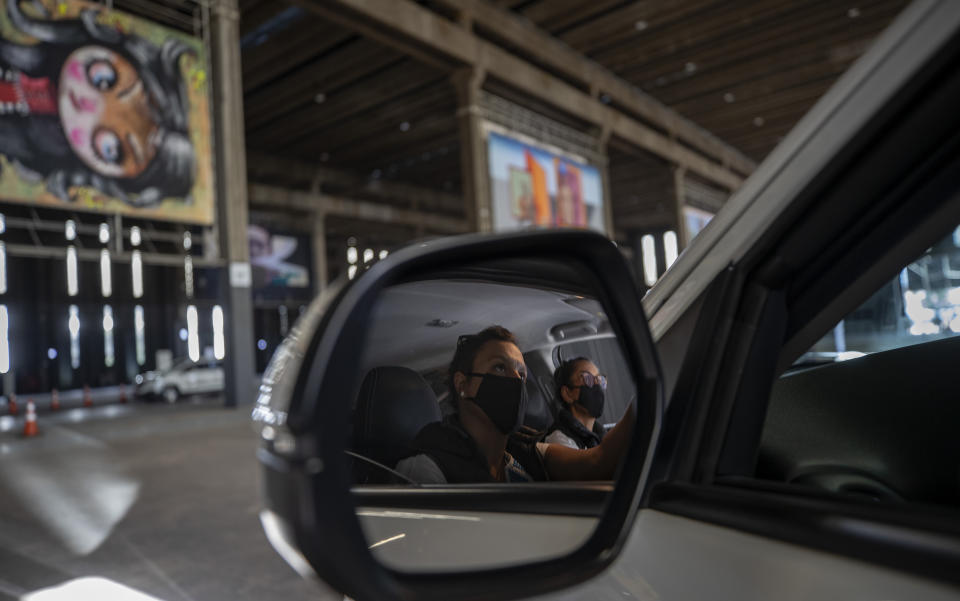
589 380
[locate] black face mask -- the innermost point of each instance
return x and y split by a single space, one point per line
591 399
503 399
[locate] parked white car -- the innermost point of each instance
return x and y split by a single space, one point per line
183 379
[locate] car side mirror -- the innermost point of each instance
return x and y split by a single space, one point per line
391 471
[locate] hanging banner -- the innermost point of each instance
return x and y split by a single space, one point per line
103 111
531 187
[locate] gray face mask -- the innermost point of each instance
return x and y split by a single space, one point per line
503 399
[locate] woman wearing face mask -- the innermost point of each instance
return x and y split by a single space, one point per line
487 377
580 390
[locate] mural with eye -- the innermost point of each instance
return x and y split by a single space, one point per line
101 74
103 109
107 146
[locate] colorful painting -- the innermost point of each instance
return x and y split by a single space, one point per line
103 111
280 263
533 188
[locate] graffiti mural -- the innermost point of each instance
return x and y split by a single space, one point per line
103 111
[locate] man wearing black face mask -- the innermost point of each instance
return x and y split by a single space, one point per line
487 377
580 391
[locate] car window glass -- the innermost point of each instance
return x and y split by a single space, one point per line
870 410
919 305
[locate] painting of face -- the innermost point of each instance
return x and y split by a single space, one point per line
105 112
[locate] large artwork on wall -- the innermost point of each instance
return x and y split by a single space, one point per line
103 111
532 187
281 263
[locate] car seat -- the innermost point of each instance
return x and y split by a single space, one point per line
393 405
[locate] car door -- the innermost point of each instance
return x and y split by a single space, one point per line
865 184
859 190
205 377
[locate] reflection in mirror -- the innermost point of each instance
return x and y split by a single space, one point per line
488 423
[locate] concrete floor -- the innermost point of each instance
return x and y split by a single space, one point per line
159 499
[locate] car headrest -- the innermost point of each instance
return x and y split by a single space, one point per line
393 405
539 415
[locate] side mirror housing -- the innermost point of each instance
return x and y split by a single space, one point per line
307 404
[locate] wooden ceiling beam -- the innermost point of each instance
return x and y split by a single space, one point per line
343 105
557 55
275 197
745 50
263 166
406 21
299 88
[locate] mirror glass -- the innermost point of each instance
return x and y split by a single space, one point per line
485 429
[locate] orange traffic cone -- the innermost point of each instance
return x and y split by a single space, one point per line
30 425
123 393
87 399
12 404
55 399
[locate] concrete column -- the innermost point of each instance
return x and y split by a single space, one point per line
604 145
473 149
232 201
320 276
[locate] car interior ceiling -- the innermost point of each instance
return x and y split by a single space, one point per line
882 426
416 324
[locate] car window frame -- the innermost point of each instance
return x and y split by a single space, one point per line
759 326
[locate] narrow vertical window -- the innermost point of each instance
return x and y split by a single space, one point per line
670 248
139 330
193 336
4 340
109 357
219 343
648 247
73 324
73 282
106 279
136 265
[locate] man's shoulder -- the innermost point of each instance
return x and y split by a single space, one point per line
444 434
421 469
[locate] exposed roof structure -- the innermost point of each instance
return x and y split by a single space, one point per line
362 105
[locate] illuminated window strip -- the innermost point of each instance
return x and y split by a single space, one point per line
73 325
219 343
73 282
109 356
4 340
188 275
136 265
193 337
648 247
106 279
139 328
3 268
670 248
